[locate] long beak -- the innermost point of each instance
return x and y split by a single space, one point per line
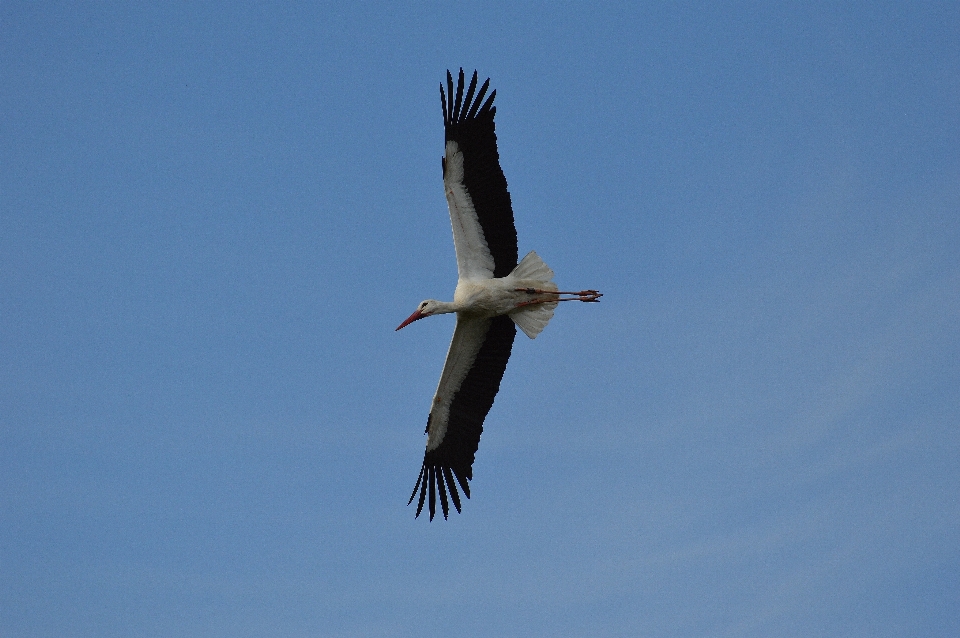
416 315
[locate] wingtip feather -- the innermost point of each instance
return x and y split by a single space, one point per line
459 101
441 484
452 488
479 99
449 109
463 481
423 491
416 487
433 491
488 105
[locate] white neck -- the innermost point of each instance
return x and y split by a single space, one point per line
444 307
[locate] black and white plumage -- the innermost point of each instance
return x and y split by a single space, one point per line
493 294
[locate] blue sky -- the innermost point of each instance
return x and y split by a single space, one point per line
213 216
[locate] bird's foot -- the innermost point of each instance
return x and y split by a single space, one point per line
588 296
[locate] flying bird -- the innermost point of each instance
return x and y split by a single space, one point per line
493 293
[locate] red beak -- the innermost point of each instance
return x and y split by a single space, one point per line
416 315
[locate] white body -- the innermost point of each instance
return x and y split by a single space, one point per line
493 297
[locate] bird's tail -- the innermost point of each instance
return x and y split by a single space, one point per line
532 267
533 318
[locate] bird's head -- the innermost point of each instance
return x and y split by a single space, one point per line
425 309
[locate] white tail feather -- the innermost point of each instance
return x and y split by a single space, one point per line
532 267
534 318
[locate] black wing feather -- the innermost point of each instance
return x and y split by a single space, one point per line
441 483
471 126
423 491
476 104
473 87
469 407
459 102
448 475
448 109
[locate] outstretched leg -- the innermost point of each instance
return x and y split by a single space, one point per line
587 296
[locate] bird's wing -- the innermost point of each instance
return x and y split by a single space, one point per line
471 377
484 234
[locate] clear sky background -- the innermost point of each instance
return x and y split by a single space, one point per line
214 215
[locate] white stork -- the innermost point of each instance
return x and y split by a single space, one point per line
493 293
